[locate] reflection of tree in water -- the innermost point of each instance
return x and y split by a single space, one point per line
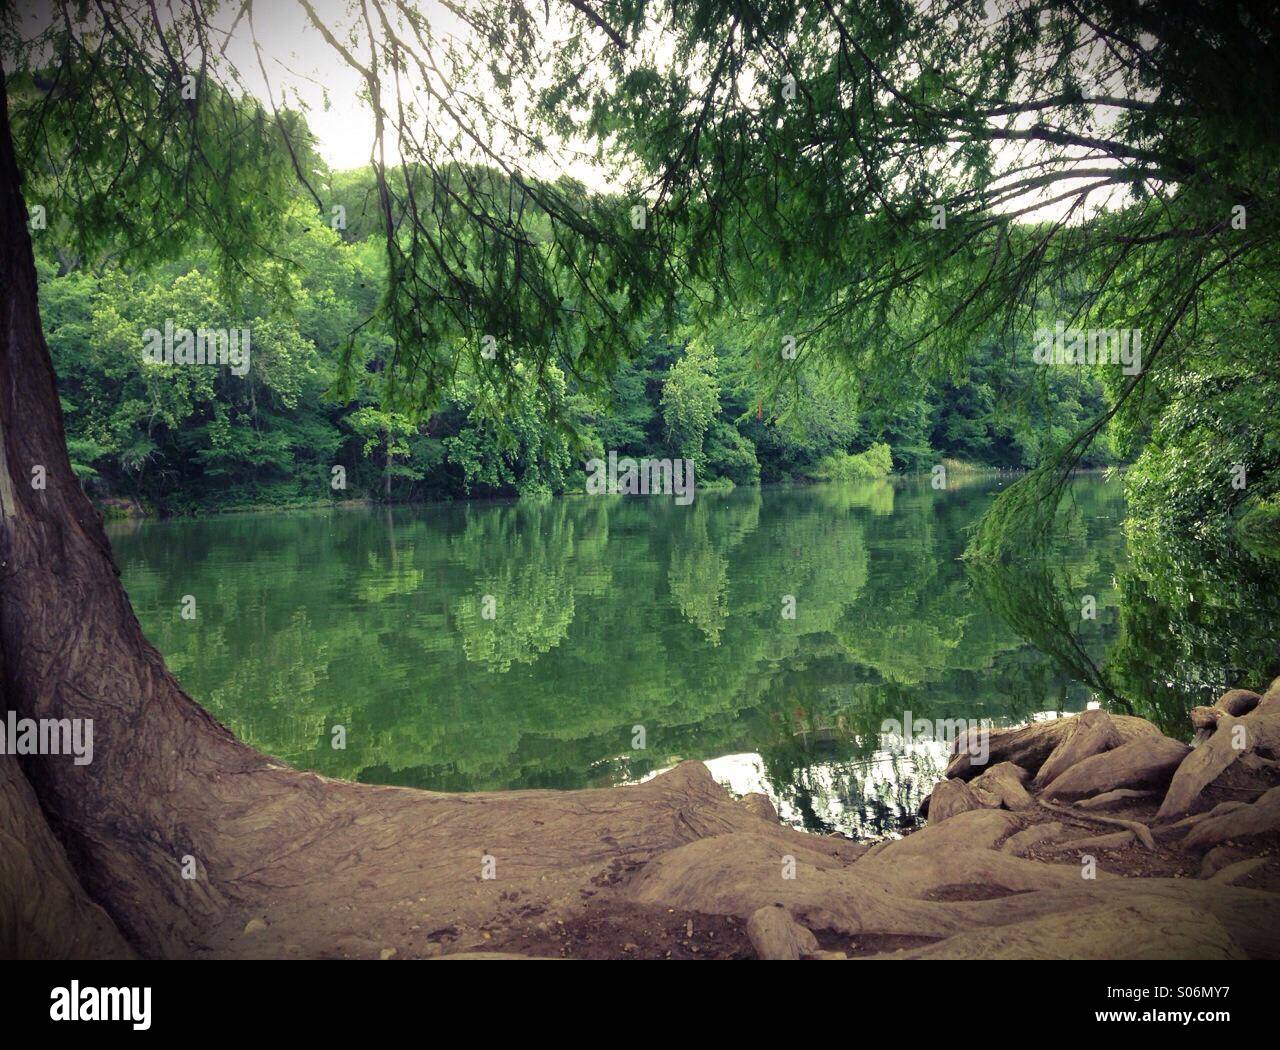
809 548
519 555
868 798
372 620
698 576
388 578
699 549
1032 597
874 496
918 621
1182 622
1194 621
823 754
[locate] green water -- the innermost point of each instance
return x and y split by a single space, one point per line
616 616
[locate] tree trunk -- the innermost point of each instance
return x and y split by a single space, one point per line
59 921
72 648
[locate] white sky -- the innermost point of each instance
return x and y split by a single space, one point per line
306 73
301 62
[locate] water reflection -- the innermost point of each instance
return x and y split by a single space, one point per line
612 613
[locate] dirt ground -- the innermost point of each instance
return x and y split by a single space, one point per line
615 929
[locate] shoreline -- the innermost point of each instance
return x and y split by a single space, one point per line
1092 836
125 509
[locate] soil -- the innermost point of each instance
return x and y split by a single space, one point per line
616 930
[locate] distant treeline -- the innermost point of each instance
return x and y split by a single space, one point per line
179 439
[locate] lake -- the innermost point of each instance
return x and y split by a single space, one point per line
589 641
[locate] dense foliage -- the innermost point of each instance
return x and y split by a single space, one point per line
181 439
899 193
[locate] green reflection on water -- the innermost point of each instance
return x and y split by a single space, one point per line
613 613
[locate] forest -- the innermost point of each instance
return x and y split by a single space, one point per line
390 367
171 440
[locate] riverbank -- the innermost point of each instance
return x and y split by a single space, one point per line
1092 836
117 508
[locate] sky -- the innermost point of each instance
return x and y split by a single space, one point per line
303 71
300 61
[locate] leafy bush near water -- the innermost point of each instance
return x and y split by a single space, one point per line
875 462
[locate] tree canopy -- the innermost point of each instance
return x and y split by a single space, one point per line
886 186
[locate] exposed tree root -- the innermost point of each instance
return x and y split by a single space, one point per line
44 913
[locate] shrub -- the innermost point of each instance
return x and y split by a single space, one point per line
875 462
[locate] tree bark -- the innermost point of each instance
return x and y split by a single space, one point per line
59 921
72 648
